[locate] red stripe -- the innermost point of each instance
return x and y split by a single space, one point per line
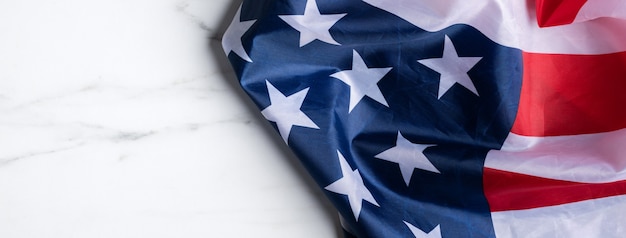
572 94
507 191
557 12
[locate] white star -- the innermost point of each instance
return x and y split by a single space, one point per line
313 25
435 233
363 81
409 156
351 184
232 37
285 111
453 69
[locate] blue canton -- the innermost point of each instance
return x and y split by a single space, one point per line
395 137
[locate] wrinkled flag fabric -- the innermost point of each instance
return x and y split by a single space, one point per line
447 118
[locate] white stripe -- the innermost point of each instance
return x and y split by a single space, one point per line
590 158
512 24
602 8
604 218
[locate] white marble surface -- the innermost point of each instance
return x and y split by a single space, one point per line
121 118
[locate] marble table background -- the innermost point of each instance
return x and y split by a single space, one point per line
122 118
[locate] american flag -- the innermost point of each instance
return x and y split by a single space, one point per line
448 118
